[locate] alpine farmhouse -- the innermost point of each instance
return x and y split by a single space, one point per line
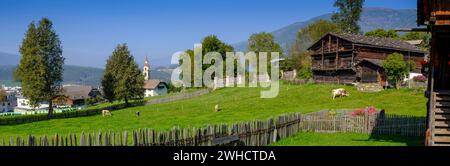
349 58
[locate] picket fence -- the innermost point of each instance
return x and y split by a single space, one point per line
256 133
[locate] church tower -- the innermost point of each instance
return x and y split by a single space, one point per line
146 70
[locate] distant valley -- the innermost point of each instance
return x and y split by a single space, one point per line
72 74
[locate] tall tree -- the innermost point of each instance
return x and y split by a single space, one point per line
264 42
213 44
122 79
41 66
2 94
383 33
209 43
298 55
108 84
312 33
348 16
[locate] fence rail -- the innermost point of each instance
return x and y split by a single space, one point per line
256 133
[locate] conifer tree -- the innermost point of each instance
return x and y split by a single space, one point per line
122 79
40 70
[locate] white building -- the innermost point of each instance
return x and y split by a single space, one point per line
153 87
9 102
23 105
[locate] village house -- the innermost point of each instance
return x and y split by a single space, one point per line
23 105
9 102
348 58
153 87
74 95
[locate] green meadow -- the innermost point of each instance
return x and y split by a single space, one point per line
237 104
348 139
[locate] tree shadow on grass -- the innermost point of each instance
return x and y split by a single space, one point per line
409 141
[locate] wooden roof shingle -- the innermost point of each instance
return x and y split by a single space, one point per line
369 41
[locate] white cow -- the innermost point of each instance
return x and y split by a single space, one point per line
106 113
216 108
341 92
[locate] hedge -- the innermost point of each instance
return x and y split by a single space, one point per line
12 120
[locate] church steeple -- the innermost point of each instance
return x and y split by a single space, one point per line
146 70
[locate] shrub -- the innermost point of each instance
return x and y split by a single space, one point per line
360 111
67 114
395 68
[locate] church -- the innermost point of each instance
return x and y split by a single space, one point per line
153 87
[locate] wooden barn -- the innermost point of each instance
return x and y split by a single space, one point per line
348 58
76 95
435 14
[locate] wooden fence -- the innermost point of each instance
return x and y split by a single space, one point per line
374 123
256 133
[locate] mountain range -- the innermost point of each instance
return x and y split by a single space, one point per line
371 18
72 74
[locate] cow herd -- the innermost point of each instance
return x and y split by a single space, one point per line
108 113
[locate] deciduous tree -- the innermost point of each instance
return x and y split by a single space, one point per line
383 33
298 55
348 15
264 42
209 43
395 68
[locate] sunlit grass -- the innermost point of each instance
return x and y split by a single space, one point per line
237 104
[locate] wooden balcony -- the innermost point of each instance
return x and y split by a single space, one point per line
342 65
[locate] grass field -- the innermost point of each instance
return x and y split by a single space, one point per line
237 104
348 139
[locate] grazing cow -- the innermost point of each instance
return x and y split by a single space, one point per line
138 114
106 113
216 108
339 93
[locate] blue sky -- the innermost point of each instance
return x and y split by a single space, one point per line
90 29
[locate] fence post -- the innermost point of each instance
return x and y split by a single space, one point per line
82 139
275 133
125 134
